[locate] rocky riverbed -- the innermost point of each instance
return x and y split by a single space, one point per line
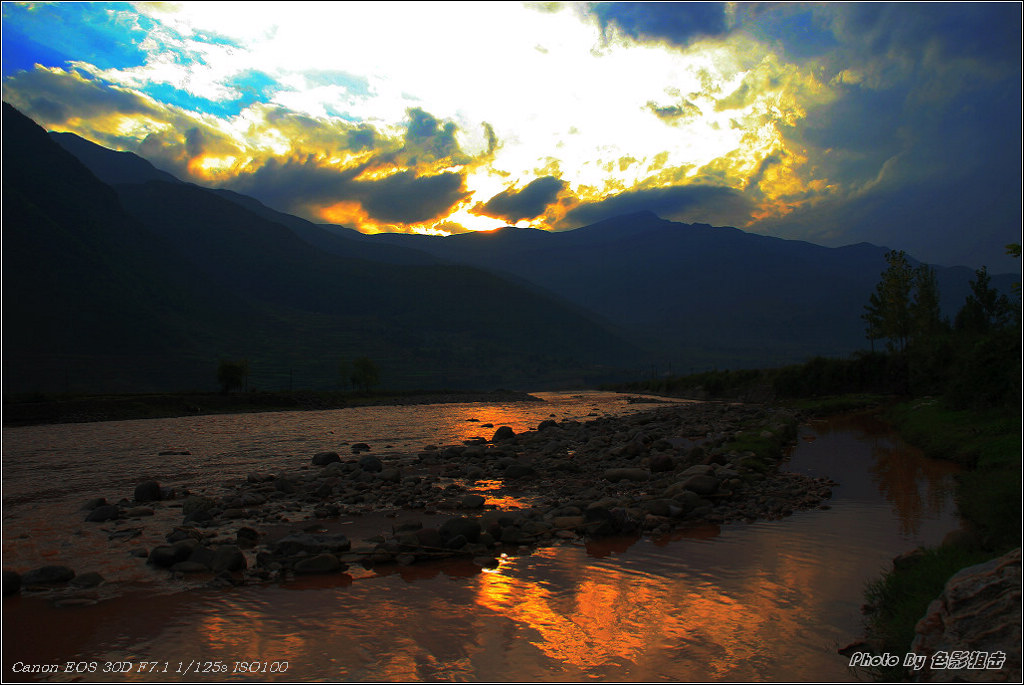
500 493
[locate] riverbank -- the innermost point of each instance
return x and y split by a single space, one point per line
29 410
987 442
656 471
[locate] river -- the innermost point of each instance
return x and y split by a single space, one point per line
765 601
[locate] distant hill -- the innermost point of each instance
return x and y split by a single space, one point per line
696 295
146 285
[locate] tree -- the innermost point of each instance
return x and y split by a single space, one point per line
985 309
364 374
888 312
232 374
925 310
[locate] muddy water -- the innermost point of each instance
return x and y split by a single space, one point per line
763 601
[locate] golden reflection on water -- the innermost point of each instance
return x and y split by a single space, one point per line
766 601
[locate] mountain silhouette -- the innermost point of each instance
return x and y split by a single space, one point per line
145 285
228 275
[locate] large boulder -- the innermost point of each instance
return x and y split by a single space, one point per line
454 527
503 433
47 575
979 611
147 491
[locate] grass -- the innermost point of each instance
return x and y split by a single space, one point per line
987 442
900 599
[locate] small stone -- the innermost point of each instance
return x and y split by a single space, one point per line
105 512
472 501
325 458
136 512
370 464
321 563
85 580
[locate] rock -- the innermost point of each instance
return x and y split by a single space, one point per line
702 485
633 474
105 512
429 538
517 470
47 575
12 583
136 512
662 507
196 503
176 452
660 463
200 516
306 543
147 491
190 567
94 502
457 542
322 563
978 611
247 537
325 458
86 580
472 501
227 558
503 433
370 464
166 556
390 475
467 527
568 522
698 470
547 423
360 447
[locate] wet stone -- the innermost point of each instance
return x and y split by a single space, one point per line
147 491
105 512
47 575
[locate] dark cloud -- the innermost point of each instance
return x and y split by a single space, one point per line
53 97
296 184
407 198
527 203
302 186
989 31
427 139
690 203
678 23
673 113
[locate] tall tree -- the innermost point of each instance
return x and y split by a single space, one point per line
986 309
925 310
888 312
364 374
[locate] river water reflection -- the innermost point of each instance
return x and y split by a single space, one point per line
770 600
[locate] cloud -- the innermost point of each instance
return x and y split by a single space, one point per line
529 202
406 198
678 23
690 203
672 114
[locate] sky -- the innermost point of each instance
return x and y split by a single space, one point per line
834 123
